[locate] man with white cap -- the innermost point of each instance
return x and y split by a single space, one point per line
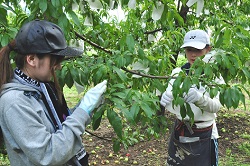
197 144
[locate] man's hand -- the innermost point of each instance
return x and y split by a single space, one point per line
93 97
166 98
192 96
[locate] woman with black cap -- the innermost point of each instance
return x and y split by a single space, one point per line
37 126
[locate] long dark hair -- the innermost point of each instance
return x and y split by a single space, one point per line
6 73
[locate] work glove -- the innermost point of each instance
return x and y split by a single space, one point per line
205 103
166 98
192 96
93 97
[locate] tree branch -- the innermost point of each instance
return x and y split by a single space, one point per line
92 43
123 68
150 32
144 75
104 138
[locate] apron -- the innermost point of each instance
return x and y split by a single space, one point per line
189 148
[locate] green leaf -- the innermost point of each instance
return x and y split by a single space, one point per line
195 81
178 100
128 57
186 84
4 40
121 74
235 94
100 73
97 117
3 14
242 76
219 41
74 72
226 61
116 146
62 1
148 111
227 36
68 79
124 2
21 18
183 111
115 121
208 70
61 75
178 18
242 99
135 110
121 95
228 98
156 83
43 5
176 86
77 77
116 100
214 92
120 86
55 3
128 115
198 70
129 93
120 61
74 18
130 43
84 75
245 70
141 53
190 113
63 21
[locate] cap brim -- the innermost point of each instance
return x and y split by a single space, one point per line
197 45
69 52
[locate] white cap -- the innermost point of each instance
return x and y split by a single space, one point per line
197 39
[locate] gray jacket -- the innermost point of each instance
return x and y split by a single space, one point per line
29 134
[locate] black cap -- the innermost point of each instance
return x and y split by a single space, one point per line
42 37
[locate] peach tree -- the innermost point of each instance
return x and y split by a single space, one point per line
135 45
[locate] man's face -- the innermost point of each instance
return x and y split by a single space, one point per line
192 53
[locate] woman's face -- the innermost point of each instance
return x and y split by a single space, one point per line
43 70
193 53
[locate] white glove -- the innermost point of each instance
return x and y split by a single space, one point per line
166 98
192 96
93 97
